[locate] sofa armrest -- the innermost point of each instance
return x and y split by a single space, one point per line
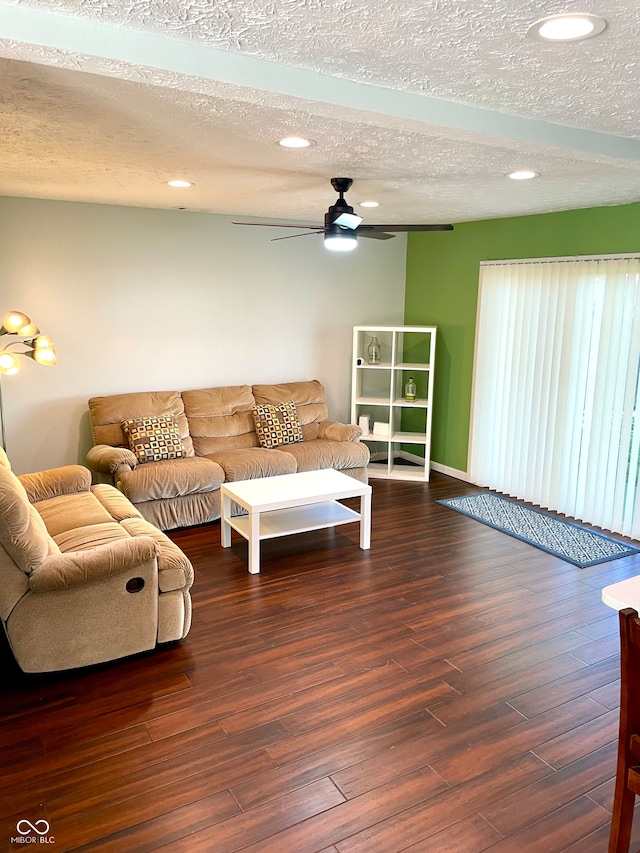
111 460
55 482
75 568
335 431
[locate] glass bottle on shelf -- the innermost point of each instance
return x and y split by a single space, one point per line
410 390
373 351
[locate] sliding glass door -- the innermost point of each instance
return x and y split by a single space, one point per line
556 387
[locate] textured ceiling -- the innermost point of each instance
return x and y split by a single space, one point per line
427 104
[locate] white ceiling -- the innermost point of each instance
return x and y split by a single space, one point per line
426 104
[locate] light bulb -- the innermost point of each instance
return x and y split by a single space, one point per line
340 239
14 321
295 142
9 363
340 244
563 28
43 341
44 355
523 175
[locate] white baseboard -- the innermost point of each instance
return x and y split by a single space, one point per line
411 457
451 472
419 460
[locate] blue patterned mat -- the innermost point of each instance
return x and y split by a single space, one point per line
563 539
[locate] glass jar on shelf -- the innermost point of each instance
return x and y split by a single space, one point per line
373 351
410 390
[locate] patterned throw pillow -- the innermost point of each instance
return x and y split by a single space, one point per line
155 438
277 425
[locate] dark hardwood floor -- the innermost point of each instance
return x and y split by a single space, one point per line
453 689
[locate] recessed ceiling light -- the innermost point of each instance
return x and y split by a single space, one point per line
523 175
180 184
567 27
295 142
369 204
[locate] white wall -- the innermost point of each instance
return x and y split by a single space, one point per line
140 299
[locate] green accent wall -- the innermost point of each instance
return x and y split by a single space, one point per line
442 290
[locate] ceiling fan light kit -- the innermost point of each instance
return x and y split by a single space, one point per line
342 227
339 239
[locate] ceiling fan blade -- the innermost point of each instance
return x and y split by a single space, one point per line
404 228
375 235
289 236
279 225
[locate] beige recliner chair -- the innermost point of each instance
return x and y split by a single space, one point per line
83 577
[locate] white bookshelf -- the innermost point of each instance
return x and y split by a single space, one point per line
377 393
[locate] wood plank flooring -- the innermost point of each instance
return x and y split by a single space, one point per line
453 690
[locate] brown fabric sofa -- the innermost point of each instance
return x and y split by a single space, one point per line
218 433
84 578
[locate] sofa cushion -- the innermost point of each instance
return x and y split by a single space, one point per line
321 453
170 478
92 536
68 511
107 413
220 418
55 482
309 398
114 502
277 424
154 438
252 462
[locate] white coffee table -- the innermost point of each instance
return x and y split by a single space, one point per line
292 503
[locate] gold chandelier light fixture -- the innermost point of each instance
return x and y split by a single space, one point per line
26 341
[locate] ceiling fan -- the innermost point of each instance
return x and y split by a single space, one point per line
342 227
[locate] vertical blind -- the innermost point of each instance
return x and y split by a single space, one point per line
556 387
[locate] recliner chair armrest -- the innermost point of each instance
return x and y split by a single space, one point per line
111 460
53 483
335 431
75 568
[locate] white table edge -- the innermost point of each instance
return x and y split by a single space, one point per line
623 594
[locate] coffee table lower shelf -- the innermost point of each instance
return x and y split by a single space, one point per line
271 524
299 519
